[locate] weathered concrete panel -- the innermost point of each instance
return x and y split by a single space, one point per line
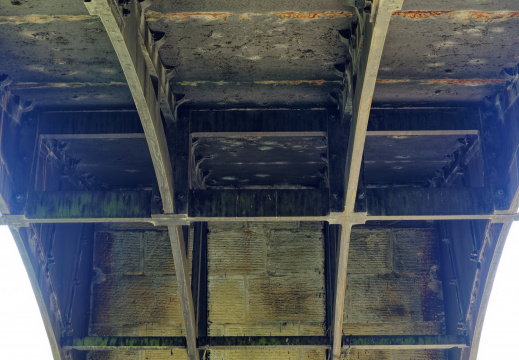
290 251
138 355
266 279
286 298
237 249
393 285
136 306
158 259
227 299
396 354
370 252
415 251
267 354
135 290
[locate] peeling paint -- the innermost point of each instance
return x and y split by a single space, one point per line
262 82
460 82
462 16
466 82
281 15
311 15
293 82
35 85
208 16
392 81
43 19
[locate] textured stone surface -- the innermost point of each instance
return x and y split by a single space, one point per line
135 289
393 285
266 279
138 355
396 354
267 354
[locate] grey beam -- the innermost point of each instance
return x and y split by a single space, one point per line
429 201
141 86
174 220
384 342
86 204
404 342
178 247
374 30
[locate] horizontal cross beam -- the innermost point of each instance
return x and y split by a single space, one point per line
333 218
380 342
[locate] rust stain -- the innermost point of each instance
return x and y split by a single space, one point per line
311 15
392 81
460 82
152 15
196 83
414 14
281 15
467 82
466 15
35 85
43 19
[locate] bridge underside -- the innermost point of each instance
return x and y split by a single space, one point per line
328 179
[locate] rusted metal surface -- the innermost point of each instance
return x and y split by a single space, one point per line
281 15
460 16
246 58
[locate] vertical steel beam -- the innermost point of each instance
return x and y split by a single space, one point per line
178 247
141 87
373 28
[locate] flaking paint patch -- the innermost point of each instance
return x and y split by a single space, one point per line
261 82
207 16
311 15
43 19
460 16
280 15
36 85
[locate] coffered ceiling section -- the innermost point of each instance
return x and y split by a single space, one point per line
233 179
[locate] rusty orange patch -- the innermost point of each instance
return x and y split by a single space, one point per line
467 82
468 15
183 16
311 15
392 81
414 14
282 15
